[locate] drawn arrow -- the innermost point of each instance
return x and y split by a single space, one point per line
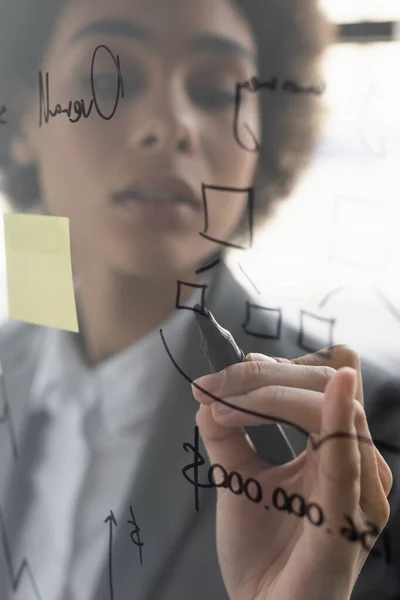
112 522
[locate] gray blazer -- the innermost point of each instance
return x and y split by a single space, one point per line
179 552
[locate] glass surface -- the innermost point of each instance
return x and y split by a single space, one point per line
163 157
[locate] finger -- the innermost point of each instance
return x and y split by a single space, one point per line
336 357
319 357
339 468
375 473
250 375
260 357
290 406
385 474
226 446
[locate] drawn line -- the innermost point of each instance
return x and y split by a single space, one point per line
111 520
6 418
248 278
222 242
16 579
314 444
393 311
249 210
138 543
208 267
329 296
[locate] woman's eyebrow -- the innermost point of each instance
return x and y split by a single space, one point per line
118 27
204 43
222 45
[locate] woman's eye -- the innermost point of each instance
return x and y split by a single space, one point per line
106 85
212 97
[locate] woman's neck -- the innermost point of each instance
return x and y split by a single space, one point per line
116 310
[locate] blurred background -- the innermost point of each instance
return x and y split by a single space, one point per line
346 276
343 282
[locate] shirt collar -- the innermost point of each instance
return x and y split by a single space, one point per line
126 386
60 367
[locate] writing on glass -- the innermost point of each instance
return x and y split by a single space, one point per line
111 521
16 575
254 85
78 106
293 504
314 444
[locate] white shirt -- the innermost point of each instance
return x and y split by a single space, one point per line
100 418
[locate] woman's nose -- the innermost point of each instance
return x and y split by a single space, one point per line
164 127
157 137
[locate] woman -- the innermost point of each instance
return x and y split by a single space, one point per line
109 434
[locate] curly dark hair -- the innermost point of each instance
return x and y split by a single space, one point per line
292 36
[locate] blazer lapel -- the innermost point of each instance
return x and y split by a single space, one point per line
162 500
234 316
18 367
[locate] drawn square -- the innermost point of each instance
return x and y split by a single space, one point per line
267 326
315 329
214 191
360 232
194 298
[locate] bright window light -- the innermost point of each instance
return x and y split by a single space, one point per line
361 10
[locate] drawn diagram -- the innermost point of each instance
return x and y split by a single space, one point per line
315 444
258 328
181 285
16 575
254 85
294 504
308 321
135 537
248 193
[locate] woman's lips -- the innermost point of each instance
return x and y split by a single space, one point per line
160 197
156 206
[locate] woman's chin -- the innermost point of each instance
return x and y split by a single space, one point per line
153 268
160 259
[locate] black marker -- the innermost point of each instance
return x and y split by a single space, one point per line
221 350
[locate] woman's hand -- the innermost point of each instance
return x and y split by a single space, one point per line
271 553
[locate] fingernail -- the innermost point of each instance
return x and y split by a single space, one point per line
212 382
260 357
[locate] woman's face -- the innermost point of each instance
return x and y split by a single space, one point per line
117 180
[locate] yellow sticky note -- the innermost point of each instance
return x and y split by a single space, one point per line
39 271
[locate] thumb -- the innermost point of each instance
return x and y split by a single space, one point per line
226 446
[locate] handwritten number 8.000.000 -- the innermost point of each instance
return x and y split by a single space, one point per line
292 504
